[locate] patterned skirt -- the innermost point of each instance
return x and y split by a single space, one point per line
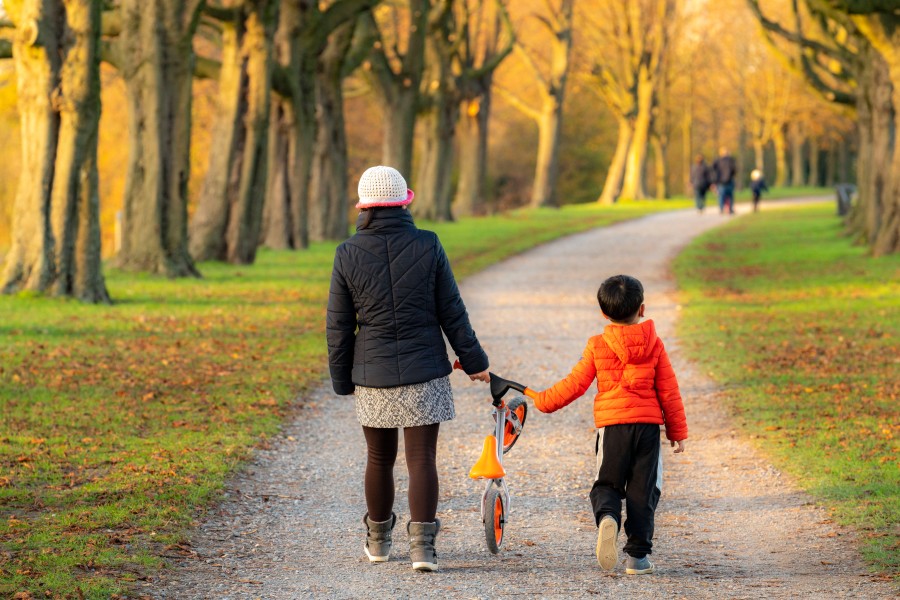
405 405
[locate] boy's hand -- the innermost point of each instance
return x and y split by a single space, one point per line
483 376
680 447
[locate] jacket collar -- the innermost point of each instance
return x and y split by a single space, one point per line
386 220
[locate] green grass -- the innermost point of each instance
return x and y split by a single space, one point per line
120 423
802 329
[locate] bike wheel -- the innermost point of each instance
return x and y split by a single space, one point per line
519 407
494 519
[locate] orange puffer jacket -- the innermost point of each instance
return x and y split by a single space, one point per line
635 381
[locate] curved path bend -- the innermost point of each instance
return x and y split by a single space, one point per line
729 525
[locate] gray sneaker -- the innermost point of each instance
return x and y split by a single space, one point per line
421 545
638 566
378 538
607 534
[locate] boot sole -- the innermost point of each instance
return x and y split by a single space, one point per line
373 558
607 556
425 566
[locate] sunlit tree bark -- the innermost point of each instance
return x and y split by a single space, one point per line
226 225
156 59
551 82
56 231
487 39
396 69
301 37
628 76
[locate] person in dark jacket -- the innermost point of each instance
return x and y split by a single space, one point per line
393 297
725 171
700 181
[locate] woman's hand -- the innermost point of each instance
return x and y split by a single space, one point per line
483 376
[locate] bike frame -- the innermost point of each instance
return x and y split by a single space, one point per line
501 414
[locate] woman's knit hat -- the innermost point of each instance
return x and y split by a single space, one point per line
383 186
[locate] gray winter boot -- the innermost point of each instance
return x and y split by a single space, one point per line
421 545
378 538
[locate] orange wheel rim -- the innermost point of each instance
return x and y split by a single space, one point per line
498 519
509 432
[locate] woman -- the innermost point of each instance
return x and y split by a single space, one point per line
700 180
392 295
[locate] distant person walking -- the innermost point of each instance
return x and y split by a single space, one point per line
392 300
700 181
725 173
757 187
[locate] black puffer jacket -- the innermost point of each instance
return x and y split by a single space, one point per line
392 293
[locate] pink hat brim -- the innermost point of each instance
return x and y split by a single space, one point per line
409 198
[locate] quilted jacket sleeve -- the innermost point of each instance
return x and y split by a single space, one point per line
670 398
340 330
454 320
572 387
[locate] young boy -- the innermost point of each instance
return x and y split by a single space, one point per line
757 187
636 393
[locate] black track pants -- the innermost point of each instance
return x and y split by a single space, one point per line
629 468
421 452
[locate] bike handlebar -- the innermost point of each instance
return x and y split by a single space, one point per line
499 385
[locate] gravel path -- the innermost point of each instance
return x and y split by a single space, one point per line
729 525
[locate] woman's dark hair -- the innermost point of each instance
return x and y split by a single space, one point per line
370 212
620 297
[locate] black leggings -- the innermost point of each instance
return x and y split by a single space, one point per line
421 451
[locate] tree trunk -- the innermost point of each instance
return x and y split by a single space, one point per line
798 175
397 87
399 131
294 106
741 156
844 160
278 226
439 118
781 170
814 162
56 229
687 143
616 172
875 125
660 167
831 164
434 174
633 186
301 36
883 32
157 67
546 170
328 218
473 149
228 220
759 156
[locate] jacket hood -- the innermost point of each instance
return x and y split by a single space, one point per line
631 343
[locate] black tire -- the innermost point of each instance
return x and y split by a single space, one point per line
494 519
519 406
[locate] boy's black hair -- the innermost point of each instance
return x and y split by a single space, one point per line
620 297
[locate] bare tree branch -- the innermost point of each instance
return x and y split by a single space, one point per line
518 102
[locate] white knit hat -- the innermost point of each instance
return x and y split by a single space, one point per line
383 186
